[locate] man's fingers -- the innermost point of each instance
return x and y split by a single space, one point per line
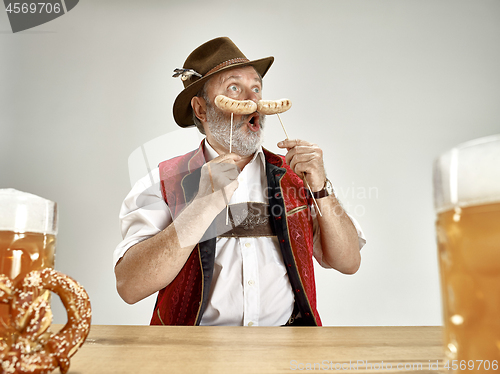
225 167
296 151
303 152
304 167
300 158
291 143
227 158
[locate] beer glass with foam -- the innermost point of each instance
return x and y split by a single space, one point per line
28 228
467 203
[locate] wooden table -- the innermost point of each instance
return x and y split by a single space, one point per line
175 349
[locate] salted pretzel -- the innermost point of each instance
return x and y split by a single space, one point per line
29 347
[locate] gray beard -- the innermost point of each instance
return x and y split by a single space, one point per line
244 143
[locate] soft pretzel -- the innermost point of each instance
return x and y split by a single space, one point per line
32 348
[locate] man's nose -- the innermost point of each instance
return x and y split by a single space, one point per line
252 95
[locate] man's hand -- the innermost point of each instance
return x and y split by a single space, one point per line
219 176
306 159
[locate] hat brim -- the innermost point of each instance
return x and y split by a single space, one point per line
183 112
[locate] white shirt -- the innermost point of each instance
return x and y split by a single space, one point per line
250 285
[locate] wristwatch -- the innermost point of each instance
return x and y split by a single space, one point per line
327 190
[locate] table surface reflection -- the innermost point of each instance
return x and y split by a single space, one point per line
179 349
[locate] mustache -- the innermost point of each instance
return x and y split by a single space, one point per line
229 105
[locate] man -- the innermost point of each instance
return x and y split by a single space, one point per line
227 238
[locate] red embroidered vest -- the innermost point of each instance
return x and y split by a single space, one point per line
183 301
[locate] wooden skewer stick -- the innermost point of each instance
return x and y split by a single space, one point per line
283 126
314 200
230 150
231 135
305 179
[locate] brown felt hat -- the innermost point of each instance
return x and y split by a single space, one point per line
208 59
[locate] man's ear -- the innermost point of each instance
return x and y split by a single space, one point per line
199 108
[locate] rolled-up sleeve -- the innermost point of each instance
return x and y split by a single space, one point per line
143 213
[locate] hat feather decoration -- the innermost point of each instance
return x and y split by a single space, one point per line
185 73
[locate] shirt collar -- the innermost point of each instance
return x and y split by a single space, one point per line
211 153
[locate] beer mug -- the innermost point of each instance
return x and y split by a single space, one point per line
28 229
467 203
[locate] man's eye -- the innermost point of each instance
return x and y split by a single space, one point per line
233 88
256 90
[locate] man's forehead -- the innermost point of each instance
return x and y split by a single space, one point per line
238 73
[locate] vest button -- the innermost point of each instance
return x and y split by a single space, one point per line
277 195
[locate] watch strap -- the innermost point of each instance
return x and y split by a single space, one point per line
319 194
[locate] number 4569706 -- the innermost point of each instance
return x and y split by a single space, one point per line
471 365
33 8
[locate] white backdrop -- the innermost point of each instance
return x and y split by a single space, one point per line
382 86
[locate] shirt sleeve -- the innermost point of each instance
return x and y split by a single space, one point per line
318 249
143 213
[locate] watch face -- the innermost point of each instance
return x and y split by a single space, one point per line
329 187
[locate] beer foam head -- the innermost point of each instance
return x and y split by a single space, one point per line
25 212
468 174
